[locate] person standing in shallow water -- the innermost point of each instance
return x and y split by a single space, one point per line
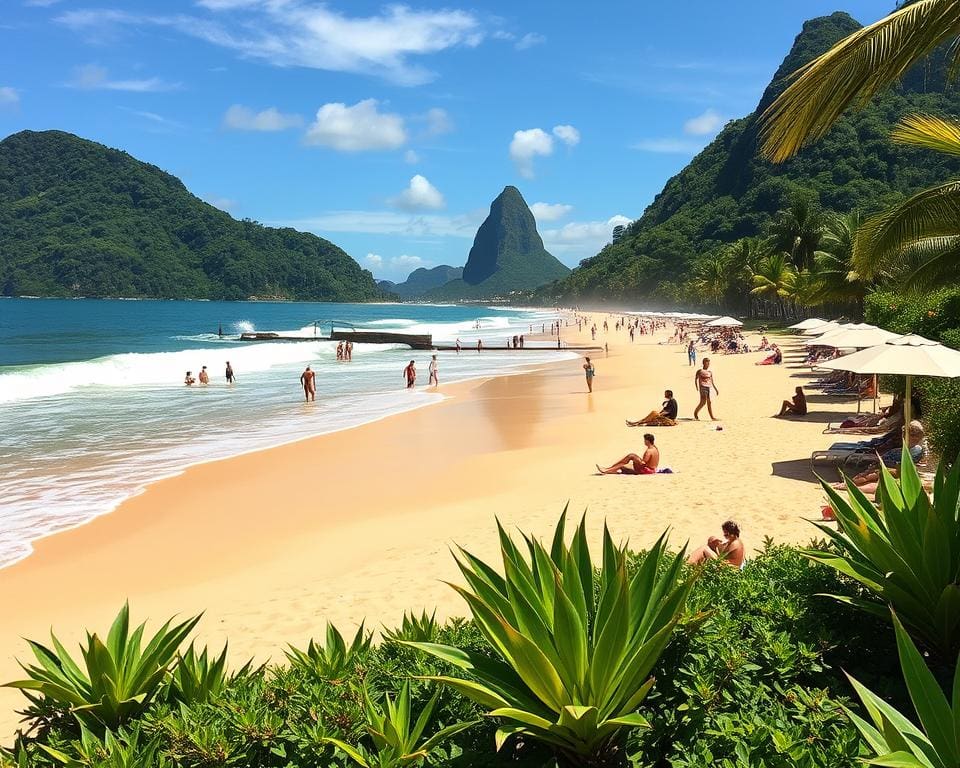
434 372
590 372
703 380
229 373
308 381
410 374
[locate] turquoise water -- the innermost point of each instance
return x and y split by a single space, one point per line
93 407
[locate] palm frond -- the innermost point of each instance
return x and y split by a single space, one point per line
929 214
925 264
928 132
853 71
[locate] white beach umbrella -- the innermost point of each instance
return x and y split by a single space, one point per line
724 322
853 338
822 329
809 323
908 356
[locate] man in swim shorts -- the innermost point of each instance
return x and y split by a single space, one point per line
434 372
631 464
307 379
703 381
229 373
410 374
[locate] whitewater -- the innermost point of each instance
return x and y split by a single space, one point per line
93 407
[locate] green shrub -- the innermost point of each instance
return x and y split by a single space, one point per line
334 659
574 662
118 680
906 553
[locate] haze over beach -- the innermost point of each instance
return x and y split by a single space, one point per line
475 386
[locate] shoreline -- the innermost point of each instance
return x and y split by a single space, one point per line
355 524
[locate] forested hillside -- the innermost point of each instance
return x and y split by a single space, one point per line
728 192
80 219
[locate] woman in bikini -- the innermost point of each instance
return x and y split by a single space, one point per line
729 548
703 381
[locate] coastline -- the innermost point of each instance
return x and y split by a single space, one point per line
355 524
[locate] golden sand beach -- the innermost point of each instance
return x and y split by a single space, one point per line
356 525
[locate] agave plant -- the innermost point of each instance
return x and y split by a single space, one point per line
117 680
423 628
396 742
574 662
907 553
893 738
197 678
124 751
334 660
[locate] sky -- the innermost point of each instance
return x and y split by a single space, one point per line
389 128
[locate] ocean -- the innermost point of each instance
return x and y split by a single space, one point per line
93 405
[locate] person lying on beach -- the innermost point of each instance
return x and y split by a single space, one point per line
729 548
665 417
796 406
631 464
775 358
869 481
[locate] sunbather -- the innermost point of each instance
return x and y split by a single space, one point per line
729 548
796 406
631 464
665 417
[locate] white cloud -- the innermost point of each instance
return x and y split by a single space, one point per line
356 128
375 260
581 237
706 124
407 262
567 134
396 268
529 40
526 145
241 118
550 211
420 195
411 157
41 3
160 123
91 77
438 122
9 97
308 34
223 203
392 223
669 146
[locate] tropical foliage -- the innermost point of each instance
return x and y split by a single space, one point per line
79 219
397 741
906 553
114 681
574 662
892 737
334 659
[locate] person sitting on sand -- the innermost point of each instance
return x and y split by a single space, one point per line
188 379
631 464
774 358
796 406
665 417
729 548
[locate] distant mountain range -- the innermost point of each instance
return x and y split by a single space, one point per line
728 192
80 219
422 280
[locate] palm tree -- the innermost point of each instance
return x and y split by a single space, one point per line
917 241
840 282
797 230
774 278
743 256
854 70
711 278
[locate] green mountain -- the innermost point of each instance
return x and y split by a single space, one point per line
728 192
422 280
507 254
80 219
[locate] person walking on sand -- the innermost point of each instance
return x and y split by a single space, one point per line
204 376
631 464
590 372
229 373
703 380
410 374
434 372
308 381
692 353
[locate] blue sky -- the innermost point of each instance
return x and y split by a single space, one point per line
389 128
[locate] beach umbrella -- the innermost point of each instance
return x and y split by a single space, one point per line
853 338
908 356
724 322
822 329
806 325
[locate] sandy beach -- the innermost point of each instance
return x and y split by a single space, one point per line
356 525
